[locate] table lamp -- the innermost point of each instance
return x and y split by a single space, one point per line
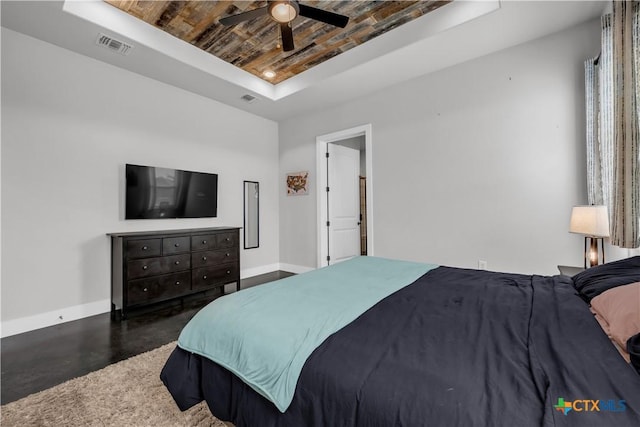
593 222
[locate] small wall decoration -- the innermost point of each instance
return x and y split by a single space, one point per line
297 183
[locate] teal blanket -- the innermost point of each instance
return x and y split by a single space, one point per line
265 334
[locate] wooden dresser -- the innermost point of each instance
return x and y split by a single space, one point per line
153 266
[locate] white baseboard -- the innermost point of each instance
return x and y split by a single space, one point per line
292 268
55 317
68 314
256 271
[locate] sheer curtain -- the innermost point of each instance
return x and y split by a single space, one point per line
612 87
594 175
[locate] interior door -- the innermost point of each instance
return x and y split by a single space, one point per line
343 203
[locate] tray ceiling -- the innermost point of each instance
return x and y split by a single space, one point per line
254 45
458 32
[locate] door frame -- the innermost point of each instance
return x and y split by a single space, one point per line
321 185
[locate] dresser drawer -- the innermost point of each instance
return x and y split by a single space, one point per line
208 258
176 245
160 265
227 240
143 248
210 276
203 242
158 288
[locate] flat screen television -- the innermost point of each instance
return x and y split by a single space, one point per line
153 192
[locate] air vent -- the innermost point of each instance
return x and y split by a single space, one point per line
114 45
249 99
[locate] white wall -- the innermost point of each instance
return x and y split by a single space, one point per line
69 125
483 160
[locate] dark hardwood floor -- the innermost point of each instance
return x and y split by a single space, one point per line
36 360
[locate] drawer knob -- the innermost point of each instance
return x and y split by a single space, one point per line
228 272
145 290
144 248
177 283
204 258
204 242
204 277
177 262
177 245
228 239
228 254
144 267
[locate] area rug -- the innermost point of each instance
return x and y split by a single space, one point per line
128 393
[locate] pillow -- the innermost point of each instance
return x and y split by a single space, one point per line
595 280
605 327
618 311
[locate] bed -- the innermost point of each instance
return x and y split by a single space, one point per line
431 346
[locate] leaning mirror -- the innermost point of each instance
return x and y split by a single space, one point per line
251 223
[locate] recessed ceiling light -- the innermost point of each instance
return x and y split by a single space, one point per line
269 74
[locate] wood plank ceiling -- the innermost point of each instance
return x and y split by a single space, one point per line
254 45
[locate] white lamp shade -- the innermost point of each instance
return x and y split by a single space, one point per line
590 220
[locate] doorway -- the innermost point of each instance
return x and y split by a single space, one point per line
340 236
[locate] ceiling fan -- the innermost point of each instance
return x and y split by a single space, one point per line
285 11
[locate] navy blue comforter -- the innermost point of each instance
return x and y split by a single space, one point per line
455 348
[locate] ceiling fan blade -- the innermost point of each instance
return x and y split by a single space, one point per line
244 16
287 37
324 16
